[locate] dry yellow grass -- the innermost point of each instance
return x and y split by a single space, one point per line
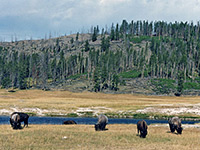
67 101
47 137
83 136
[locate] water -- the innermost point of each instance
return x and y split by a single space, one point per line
90 121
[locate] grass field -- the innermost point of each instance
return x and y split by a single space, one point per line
84 137
64 102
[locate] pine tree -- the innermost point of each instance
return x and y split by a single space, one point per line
22 72
96 80
112 34
180 82
87 46
72 40
77 36
115 82
117 32
94 35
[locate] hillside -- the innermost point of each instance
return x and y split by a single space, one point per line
137 57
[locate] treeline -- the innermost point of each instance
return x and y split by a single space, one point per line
152 49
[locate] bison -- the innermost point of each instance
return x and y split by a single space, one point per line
175 124
69 122
102 122
16 118
142 128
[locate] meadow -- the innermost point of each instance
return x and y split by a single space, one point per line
118 136
49 103
50 137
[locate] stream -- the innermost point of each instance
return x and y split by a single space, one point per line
89 121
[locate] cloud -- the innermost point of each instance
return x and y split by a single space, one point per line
113 2
63 16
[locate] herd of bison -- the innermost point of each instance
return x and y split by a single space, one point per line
174 123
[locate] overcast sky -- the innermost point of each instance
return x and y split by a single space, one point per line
25 18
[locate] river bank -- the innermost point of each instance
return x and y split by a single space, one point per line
68 104
147 113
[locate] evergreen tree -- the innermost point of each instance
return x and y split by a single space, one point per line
112 34
72 40
94 35
115 82
96 80
77 36
180 82
87 46
117 32
105 44
22 72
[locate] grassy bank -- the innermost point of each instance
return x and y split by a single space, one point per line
84 137
64 103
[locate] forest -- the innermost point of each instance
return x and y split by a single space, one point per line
168 54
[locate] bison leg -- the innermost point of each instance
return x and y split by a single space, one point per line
19 125
172 129
26 123
103 126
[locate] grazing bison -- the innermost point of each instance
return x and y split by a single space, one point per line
102 122
16 118
69 122
142 128
175 124
14 121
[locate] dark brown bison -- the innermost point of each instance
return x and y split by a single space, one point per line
69 122
102 122
16 118
14 121
175 124
142 128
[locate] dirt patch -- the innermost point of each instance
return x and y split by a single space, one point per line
93 110
36 111
183 125
173 109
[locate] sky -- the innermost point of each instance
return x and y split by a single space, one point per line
25 19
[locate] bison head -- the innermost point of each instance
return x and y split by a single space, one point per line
143 133
16 125
97 127
179 130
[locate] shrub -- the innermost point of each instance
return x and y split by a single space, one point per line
130 74
163 86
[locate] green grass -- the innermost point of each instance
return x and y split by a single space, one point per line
139 39
87 114
141 115
191 85
164 86
130 74
77 76
72 115
31 113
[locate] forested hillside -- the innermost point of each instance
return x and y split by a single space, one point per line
161 57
